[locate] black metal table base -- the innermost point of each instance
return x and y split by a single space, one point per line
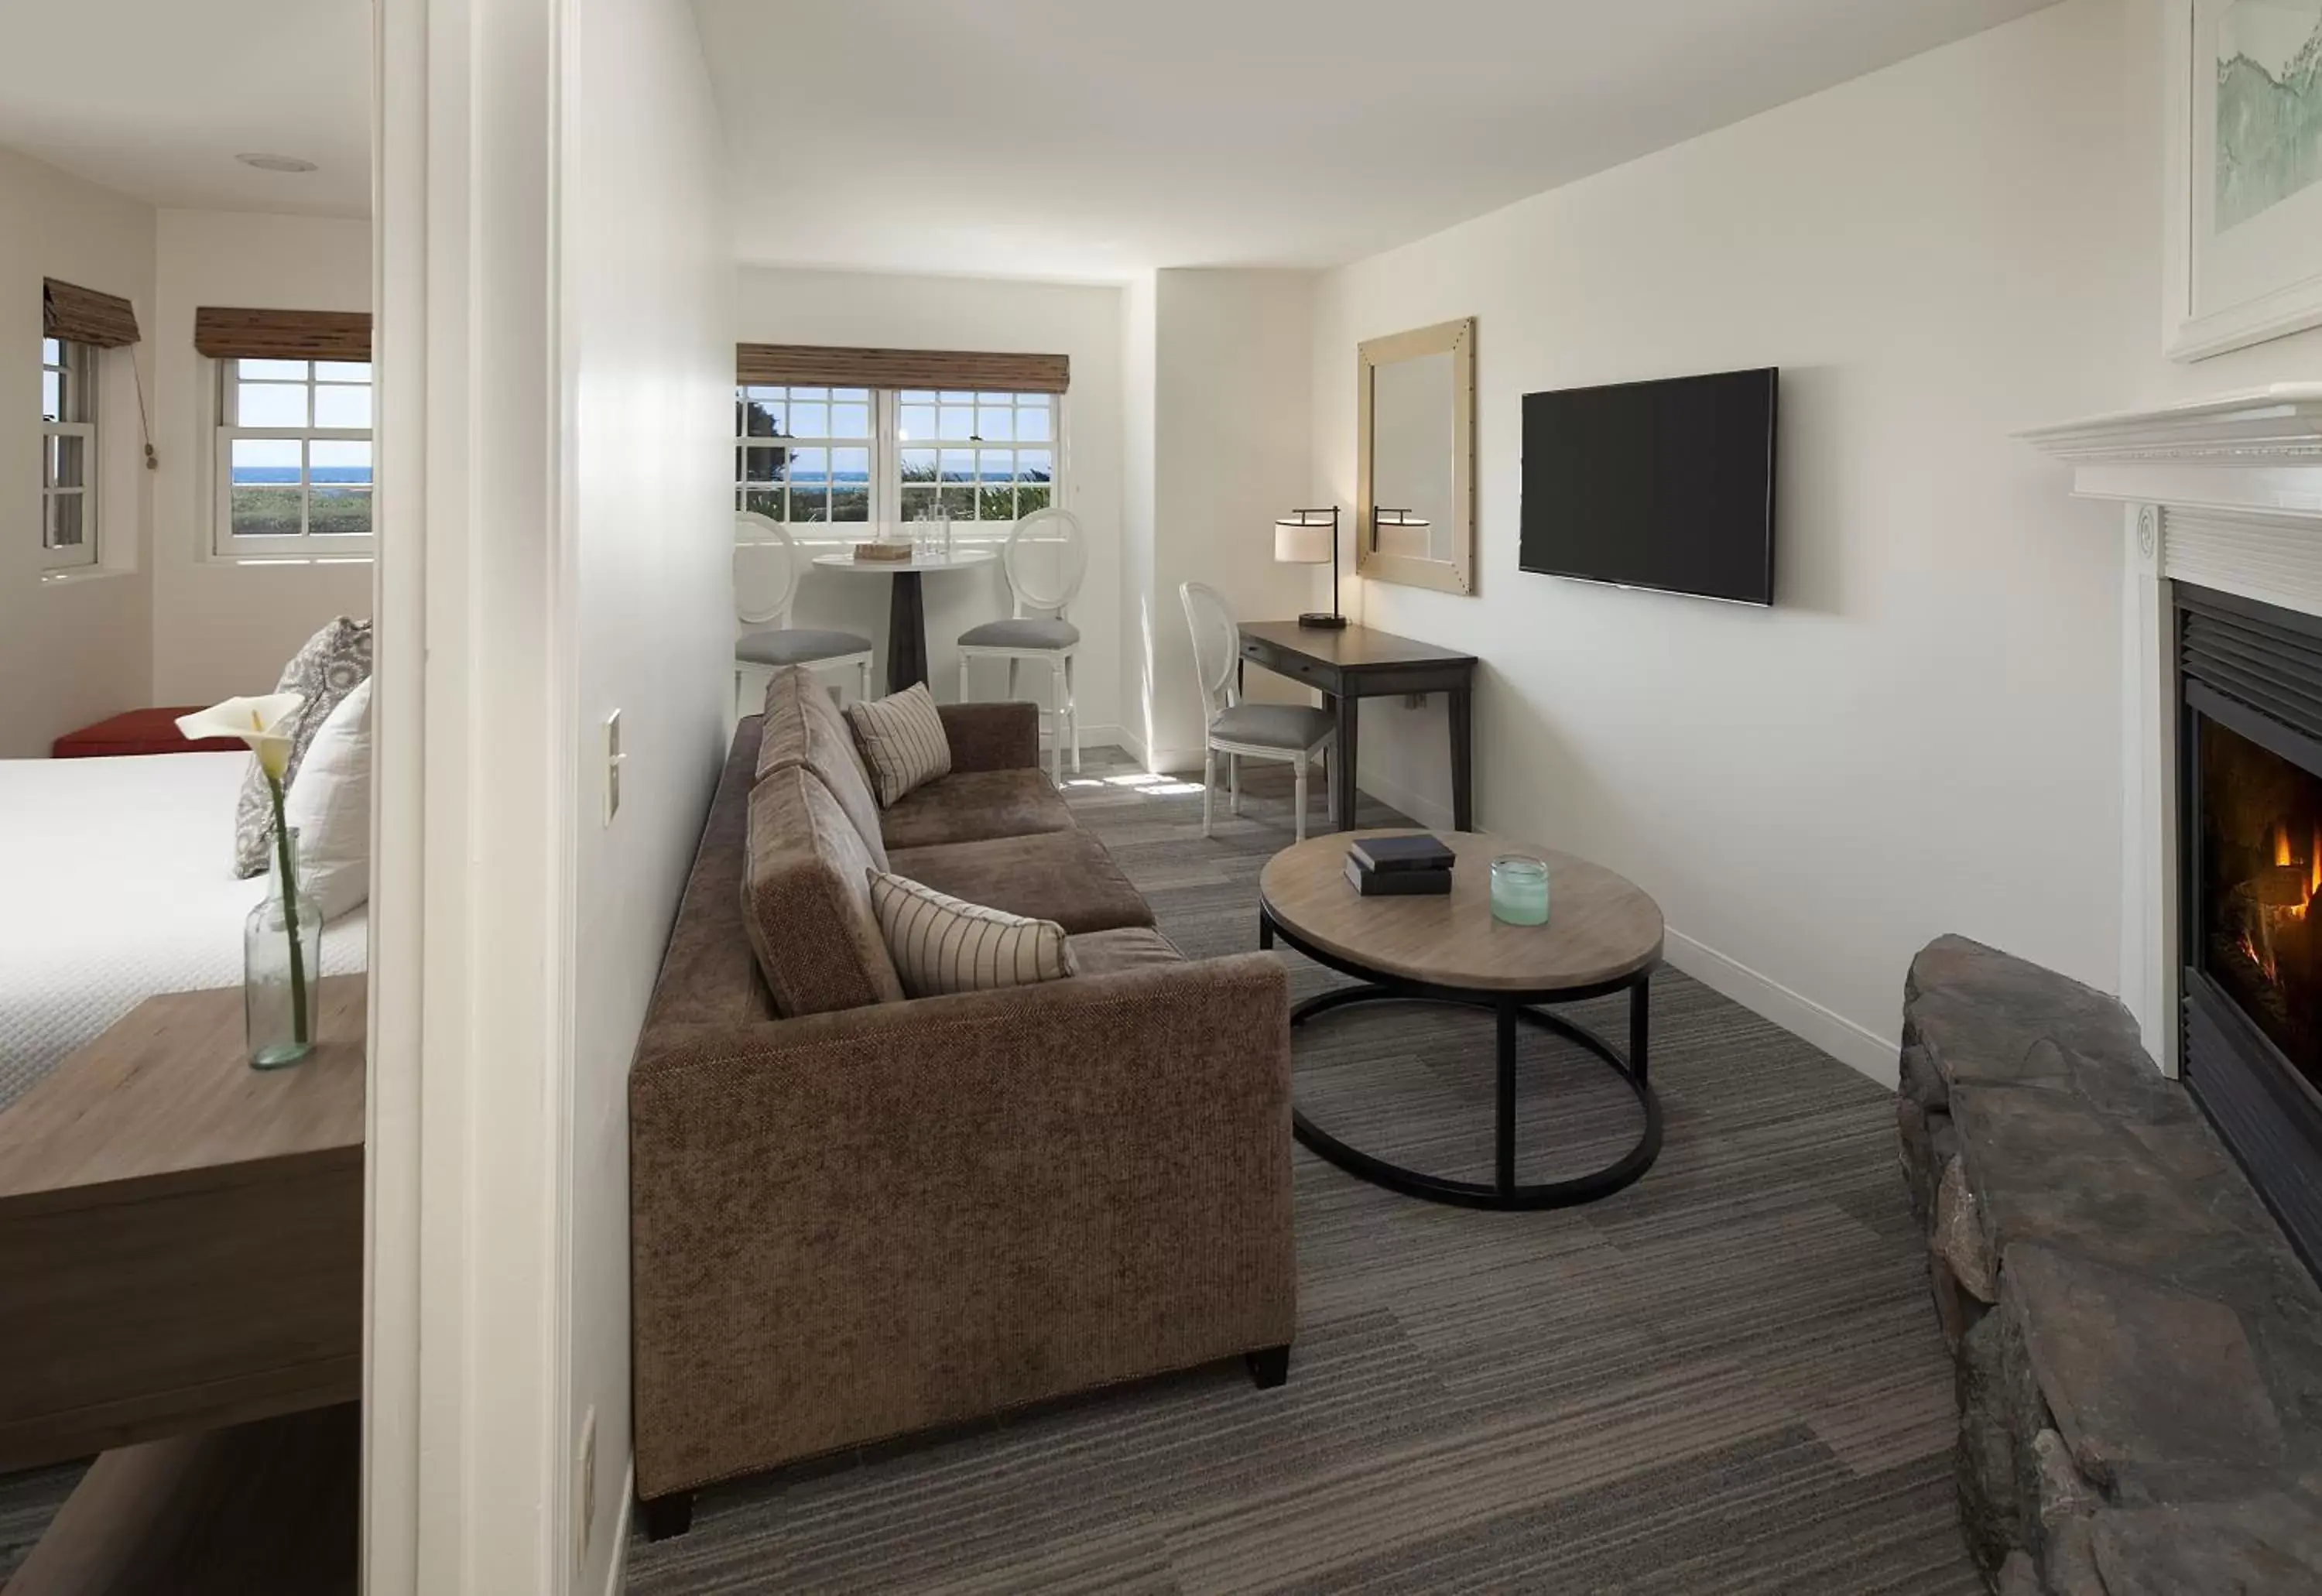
1509 1010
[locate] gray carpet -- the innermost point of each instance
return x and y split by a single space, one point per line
1726 1378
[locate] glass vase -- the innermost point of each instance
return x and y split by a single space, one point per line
281 964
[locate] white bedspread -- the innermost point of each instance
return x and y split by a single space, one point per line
115 883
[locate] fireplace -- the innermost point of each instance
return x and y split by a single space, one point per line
2249 689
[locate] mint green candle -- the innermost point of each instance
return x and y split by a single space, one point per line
1520 890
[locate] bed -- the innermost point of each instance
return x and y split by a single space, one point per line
115 884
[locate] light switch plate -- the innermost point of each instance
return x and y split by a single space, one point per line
613 758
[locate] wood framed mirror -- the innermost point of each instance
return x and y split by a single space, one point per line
1415 466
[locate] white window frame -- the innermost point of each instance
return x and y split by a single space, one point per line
76 365
304 544
890 500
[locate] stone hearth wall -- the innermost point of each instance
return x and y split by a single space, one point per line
2139 1350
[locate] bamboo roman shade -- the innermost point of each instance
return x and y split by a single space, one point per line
226 335
85 316
827 365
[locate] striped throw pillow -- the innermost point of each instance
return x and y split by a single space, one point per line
902 741
941 945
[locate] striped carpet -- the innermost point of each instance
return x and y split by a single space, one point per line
1726 1378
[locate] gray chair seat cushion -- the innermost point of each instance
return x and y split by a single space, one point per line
1032 632
799 645
1272 725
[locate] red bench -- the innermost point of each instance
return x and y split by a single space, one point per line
139 731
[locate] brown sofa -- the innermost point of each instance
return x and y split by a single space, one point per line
856 1215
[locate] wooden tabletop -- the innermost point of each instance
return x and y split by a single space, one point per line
167 1092
1601 927
1351 647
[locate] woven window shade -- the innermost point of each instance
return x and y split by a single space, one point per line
85 316
226 335
826 365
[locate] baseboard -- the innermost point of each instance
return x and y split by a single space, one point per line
1387 790
1171 759
616 1577
1862 1049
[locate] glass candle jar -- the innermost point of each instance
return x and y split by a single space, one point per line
1520 890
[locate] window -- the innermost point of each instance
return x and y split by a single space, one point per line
806 455
294 473
68 453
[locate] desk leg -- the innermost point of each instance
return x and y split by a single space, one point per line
907 632
1463 759
1348 710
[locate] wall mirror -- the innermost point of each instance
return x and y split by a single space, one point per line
1415 430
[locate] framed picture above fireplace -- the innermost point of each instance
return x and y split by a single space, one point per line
2243 126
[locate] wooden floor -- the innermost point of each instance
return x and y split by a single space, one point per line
1725 1379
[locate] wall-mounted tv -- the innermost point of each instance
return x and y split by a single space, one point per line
1667 485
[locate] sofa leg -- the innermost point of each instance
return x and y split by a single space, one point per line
672 1515
1269 1367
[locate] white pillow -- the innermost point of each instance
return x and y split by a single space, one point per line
329 806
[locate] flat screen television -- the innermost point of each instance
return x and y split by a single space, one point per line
1667 485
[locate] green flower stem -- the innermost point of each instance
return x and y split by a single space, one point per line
290 918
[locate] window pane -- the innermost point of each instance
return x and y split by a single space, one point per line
762 418
339 512
765 501
850 420
348 404
917 422
811 467
1035 465
266 460
266 404
810 393
763 465
52 395
52 352
959 502
955 422
857 394
996 504
918 465
66 466
917 395
342 370
1028 499
952 399
809 421
994 423
66 526
267 511
1032 426
338 459
850 504
958 464
918 503
276 370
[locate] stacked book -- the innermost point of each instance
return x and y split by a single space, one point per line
1396 867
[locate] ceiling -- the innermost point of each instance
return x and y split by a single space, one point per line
1091 139
176 91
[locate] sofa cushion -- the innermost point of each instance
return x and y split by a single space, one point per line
804 727
806 884
902 741
974 807
943 944
1108 953
709 975
1065 876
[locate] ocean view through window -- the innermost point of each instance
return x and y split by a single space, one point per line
294 458
834 464
67 454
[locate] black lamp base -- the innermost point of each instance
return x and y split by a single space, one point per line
1323 620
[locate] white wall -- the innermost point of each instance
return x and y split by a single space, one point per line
220 627
647 341
900 312
1143 616
76 650
1923 735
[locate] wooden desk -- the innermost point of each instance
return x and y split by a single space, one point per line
180 1235
1350 665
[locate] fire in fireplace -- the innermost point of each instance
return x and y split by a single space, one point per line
2261 875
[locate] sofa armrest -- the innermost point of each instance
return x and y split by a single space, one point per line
992 736
856 1225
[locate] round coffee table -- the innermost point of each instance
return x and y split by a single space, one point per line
1603 935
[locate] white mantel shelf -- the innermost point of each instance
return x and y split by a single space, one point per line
2225 493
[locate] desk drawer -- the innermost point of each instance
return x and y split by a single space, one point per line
1260 652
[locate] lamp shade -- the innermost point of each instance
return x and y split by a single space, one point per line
1302 542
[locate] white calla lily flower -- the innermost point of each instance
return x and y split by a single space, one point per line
266 723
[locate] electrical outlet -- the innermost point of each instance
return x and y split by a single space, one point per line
613 758
584 1515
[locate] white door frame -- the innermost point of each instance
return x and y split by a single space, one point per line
472 901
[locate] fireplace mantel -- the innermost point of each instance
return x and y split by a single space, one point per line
2226 493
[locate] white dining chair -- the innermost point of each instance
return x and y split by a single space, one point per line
765 585
1298 733
1045 560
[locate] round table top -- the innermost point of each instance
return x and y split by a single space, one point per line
1601 926
951 562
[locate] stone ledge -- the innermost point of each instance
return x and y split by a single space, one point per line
2139 1350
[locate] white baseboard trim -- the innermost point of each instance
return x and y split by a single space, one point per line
1435 816
1171 759
1855 1045
616 1577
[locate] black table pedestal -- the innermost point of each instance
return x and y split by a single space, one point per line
907 632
